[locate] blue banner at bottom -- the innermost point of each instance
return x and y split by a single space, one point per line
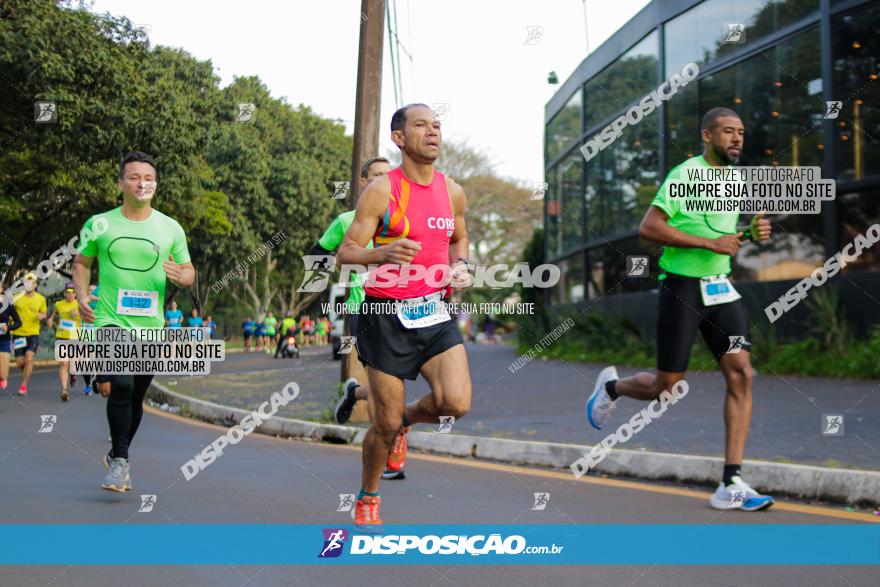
642 544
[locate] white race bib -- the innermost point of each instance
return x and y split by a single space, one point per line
422 313
717 289
19 343
132 302
67 325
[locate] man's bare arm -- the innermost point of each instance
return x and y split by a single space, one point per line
655 227
458 243
370 208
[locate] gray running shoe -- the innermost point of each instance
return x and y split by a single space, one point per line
118 477
346 403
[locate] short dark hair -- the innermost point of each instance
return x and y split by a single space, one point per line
136 157
398 121
365 170
710 118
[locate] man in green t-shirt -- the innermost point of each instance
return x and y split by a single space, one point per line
138 249
695 293
327 244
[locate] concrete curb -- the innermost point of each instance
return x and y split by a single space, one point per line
851 486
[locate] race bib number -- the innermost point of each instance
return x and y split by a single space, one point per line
19 343
132 302
67 325
716 290
422 314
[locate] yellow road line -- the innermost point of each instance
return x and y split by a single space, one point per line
619 483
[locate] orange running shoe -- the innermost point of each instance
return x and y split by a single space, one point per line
397 459
366 513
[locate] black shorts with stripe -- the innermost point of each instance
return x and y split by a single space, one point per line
681 313
383 343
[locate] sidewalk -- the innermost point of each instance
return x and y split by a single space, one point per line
536 417
544 401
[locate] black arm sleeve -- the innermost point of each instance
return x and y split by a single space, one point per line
14 319
319 250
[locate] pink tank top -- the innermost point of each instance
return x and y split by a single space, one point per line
422 213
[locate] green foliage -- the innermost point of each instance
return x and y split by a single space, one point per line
600 338
232 185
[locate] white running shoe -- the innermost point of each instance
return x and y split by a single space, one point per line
739 495
600 403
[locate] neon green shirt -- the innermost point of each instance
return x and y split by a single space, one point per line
330 241
130 257
286 324
693 262
269 323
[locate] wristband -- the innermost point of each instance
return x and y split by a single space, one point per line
461 259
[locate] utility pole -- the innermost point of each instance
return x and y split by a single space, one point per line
367 114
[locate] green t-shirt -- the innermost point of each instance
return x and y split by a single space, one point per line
269 322
130 257
330 241
693 262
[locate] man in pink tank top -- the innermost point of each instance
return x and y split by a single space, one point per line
414 217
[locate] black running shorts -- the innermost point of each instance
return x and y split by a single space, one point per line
384 344
680 313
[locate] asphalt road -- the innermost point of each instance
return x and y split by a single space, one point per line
544 401
54 478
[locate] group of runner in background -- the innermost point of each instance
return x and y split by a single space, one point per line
264 334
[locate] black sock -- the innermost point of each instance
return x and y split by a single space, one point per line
729 472
609 388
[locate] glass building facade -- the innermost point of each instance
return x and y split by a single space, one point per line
790 58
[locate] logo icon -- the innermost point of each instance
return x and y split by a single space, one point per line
538 190
147 503
334 540
318 271
441 109
737 497
832 424
736 344
736 33
245 112
346 502
340 189
47 423
636 266
446 423
832 109
533 35
541 501
45 112
346 343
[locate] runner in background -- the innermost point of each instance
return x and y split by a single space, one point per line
270 323
9 321
194 320
247 333
288 328
211 325
93 294
66 312
260 334
328 244
173 317
31 308
321 331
